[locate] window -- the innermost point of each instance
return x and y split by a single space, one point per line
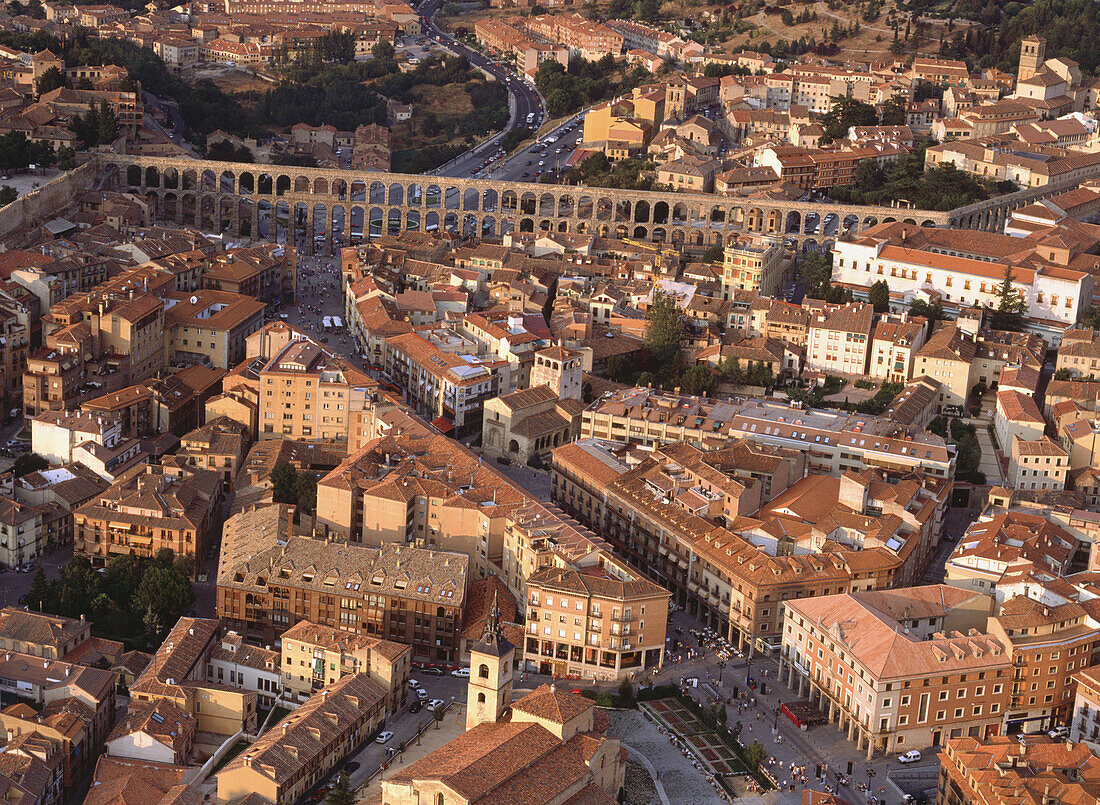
483 671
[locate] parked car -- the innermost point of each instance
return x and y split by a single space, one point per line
383 737
461 673
435 704
415 707
433 671
912 756
421 694
414 684
350 766
1058 733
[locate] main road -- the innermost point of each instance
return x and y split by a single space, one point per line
524 100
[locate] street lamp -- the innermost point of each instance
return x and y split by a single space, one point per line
721 665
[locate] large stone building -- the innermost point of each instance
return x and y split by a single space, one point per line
269 579
898 669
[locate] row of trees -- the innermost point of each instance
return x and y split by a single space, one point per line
598 171
136 601
297 488
584 82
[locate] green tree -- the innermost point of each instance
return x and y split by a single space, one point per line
284 483
50 80
933 312
305 491
879 296
8 194
162 596
1009 312
341 793
845 112
755 754
894 111
29 462
107 125
663 329
66 158
41 594
715 254
626 691
77 586
1064 374
383 53
698 379
817 270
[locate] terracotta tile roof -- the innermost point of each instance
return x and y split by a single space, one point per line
548 703
160 719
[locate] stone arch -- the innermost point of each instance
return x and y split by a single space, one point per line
282 221
641 213
489 200
209 179
470 198
563 226
754 221
526 225
566 207
507 226
246 183
450 223
660 212
228 212
450 200
152 177
357 223
357 191
431 222
809 245
640 232
621 231
207 219
412 220
414 195
469 225
397 194
377 219
677 237
433 196
870 221
680 213
717 215
659 235
377 193
264 184
527 205
623 209
509 201
584 207
794 222
928 222
545 225
134 175
909 221
320 186
488 226
339 189
171 179
301 184
169 207
282 184
393 221
850 223
546 204
603 209
830 224
190 180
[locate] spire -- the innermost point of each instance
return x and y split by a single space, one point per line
493 632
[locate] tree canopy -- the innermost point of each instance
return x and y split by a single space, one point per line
663 329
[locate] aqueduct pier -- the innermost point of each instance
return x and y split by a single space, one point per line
332 207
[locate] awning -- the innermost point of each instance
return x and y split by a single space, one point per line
443 425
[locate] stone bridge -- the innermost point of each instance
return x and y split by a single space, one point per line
333 207
261 201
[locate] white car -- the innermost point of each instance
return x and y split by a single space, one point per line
435 704
414 684
912 756
1058 733
461 673
383 737
421 694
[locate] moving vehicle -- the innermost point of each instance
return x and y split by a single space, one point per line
912 756
383 737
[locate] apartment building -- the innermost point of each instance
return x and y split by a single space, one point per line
209 327
41 635
1084 723
1047 645
269 579
968 270
288 760
444 379
254 668
898 668
265 272
833 442
314 656
672 513
178 673
1037 464
894 346
998 542
1003 769
148 508
220 445
593 624
1079 352
307 392
156 731
840 339
754 264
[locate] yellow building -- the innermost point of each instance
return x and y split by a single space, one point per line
314 656
753 264
209 327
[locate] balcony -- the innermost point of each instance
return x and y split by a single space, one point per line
622 617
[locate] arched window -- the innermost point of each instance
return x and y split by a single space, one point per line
483 671
438 799
481 698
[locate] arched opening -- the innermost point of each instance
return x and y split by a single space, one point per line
483 670
470 199
377 193
660 212
397 195
282 184
133 176
301 184
481 698
264 184
641 212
